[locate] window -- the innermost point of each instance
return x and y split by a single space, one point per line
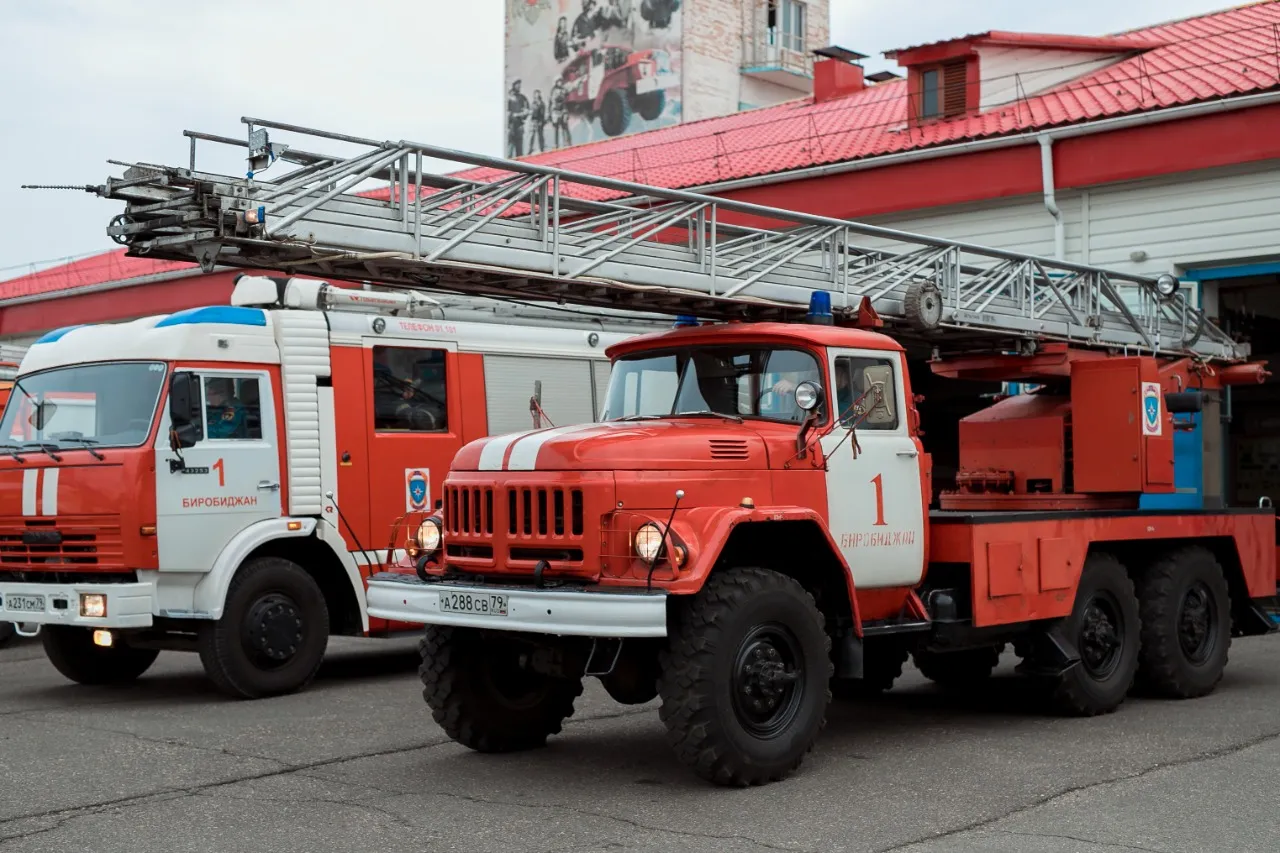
785 22
944 89
748 382
232 408
107 405
865 393
409 392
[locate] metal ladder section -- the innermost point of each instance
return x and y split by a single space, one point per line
521 231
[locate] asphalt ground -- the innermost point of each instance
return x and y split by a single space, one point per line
356 764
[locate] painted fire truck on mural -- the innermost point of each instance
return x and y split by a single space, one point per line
754 524
225 478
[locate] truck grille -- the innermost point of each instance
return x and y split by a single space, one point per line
512 527
53 546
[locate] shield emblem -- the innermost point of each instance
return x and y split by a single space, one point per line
417 489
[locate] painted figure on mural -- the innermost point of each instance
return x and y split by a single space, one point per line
584 26
559 116
562 39
658 13
537 123
517 111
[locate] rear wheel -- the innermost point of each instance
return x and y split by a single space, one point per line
273 631
1186 624
957 670
615 113
1104 626
73 653
483 696
744 678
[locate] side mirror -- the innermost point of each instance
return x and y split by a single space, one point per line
42 414
184 410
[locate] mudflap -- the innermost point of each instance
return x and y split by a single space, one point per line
1258 616
1051 653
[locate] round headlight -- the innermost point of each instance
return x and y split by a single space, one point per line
1166 285
428 536
648 542
808 395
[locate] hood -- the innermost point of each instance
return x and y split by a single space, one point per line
643 445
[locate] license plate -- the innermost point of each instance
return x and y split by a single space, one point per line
24 603
476 604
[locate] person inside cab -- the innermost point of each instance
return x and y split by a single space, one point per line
224 413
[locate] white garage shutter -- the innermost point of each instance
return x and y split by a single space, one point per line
508 385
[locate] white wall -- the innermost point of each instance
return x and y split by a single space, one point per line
1009 73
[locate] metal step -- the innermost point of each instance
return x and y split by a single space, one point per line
525 233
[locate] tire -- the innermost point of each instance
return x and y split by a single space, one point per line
481 696
960 670
732 715
72 653
615 113
1186 624
7 632
1105 627
650 105
273 632
881 667
922 305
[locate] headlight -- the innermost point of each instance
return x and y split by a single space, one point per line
93 605
428 536
648 542
808 395
1167 285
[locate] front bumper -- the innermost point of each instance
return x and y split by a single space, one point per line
572 613
129 605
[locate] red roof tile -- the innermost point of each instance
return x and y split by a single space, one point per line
97 269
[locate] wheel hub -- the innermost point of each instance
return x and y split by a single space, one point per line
1101 637
1196 623
273 629
766 680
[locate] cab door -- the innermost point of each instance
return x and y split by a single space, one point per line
228 480
875 500
414 426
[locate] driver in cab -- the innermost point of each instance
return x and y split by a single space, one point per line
224 413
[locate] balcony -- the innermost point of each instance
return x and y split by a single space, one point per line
773 45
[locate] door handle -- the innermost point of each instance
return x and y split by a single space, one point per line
909 454
268 485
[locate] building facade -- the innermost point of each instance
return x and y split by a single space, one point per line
581 71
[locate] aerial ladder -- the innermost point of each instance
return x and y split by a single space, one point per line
530 233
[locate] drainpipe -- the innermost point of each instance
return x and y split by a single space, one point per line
1050 199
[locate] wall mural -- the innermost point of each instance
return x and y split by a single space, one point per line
584 70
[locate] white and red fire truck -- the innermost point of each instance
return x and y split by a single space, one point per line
224 478
756 522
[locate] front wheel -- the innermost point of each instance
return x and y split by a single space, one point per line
273 631
7 632
73 653
615 113
484 696
744 678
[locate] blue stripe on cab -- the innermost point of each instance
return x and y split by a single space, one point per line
56 334
232 315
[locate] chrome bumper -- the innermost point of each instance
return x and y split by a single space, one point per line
575 613
129 605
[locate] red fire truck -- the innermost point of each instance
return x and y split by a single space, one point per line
224 479
759 520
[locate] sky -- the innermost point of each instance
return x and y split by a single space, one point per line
83 81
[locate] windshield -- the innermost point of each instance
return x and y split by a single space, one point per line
741 381
107 405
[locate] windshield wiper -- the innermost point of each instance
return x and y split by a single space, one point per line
47 448
638 418
88 445
706 413
12 450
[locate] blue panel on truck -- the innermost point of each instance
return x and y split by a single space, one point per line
1188 467
233 315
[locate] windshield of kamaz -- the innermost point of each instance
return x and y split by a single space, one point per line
95 405
730 381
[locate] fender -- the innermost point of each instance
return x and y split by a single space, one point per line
211 591
707 529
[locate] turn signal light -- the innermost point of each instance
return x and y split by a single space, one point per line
294 525
147 530
93 605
